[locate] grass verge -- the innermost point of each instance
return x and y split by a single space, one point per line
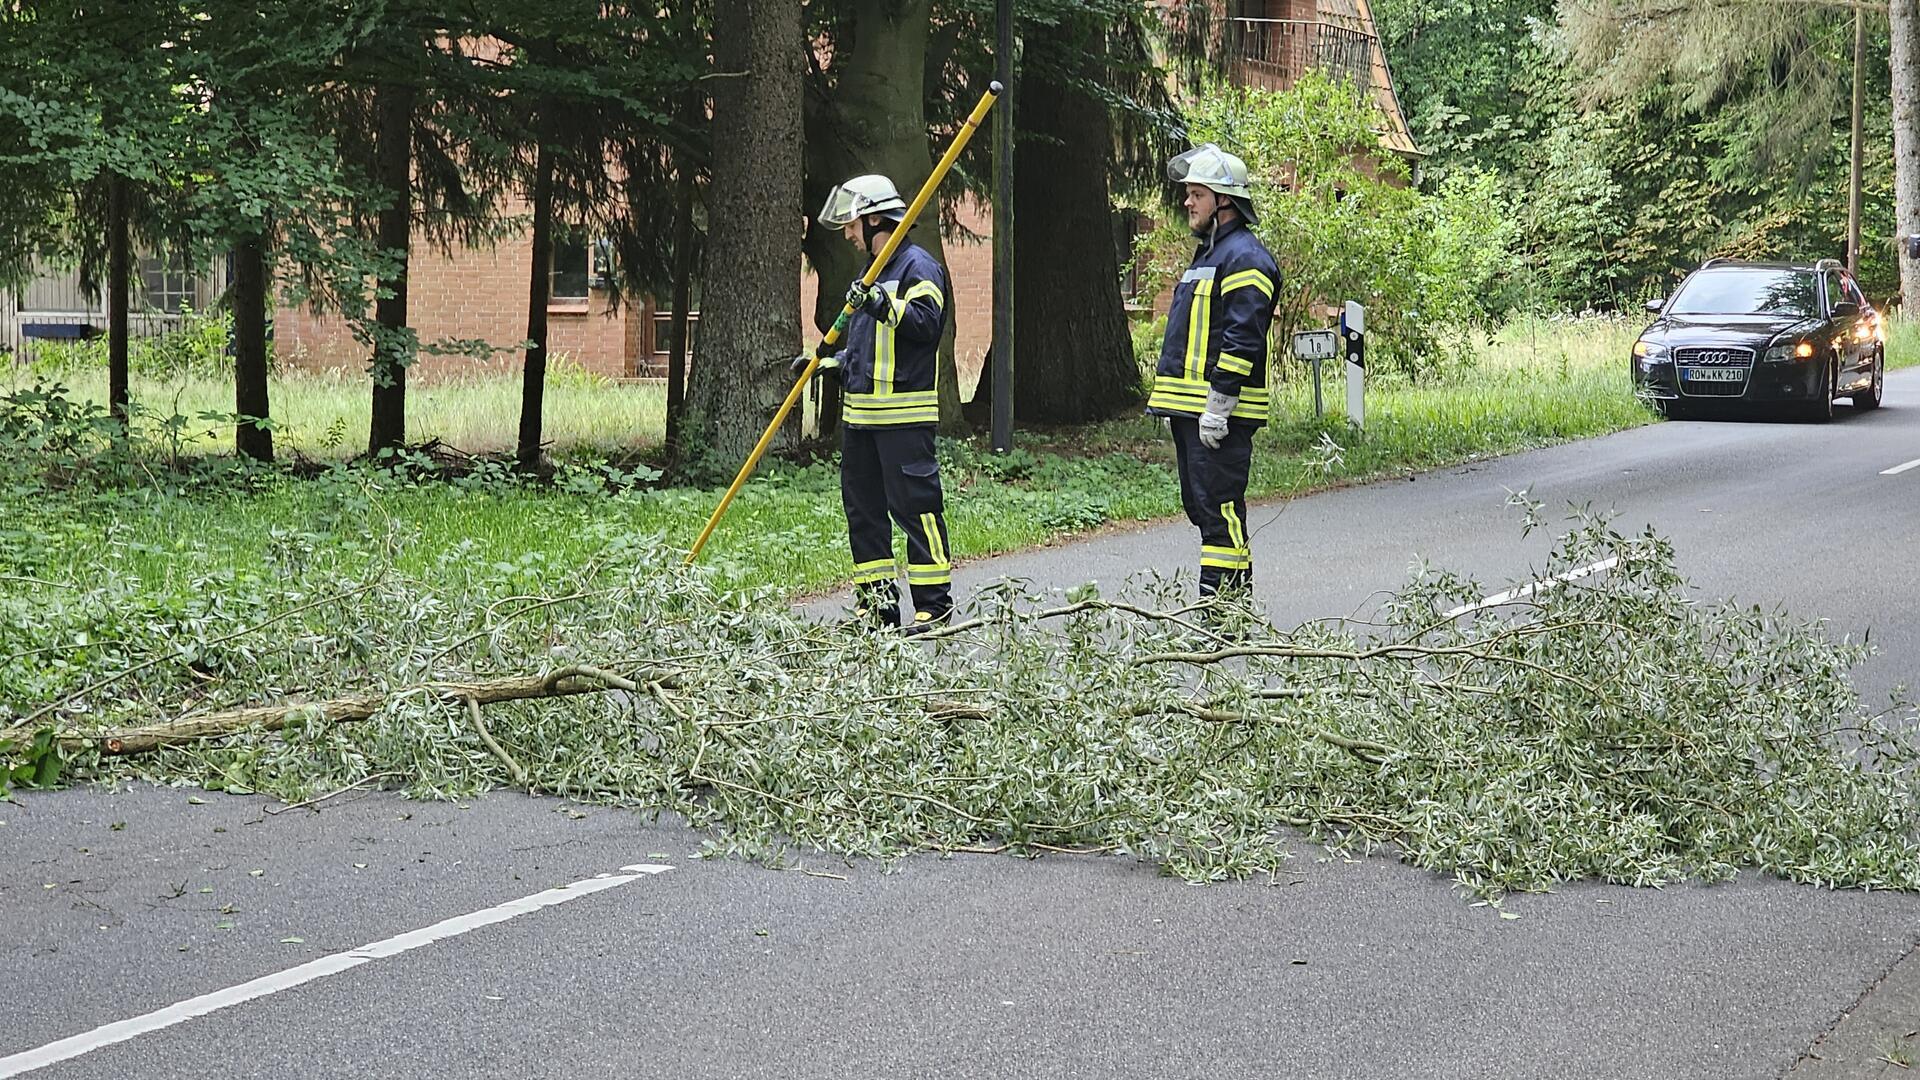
1536 384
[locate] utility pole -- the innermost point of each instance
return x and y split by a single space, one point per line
1854 167
1002 359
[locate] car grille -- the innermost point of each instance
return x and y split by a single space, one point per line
1706 356
1717 357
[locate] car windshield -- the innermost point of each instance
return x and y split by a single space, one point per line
1746 291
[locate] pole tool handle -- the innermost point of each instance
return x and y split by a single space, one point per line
894 240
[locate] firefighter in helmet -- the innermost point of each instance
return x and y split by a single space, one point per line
888 367
1211 381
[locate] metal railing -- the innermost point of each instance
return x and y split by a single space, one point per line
1280 50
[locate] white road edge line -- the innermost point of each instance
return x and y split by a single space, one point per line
1522 592
123 1030
1902 467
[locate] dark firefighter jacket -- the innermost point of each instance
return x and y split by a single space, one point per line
890 368
1217 329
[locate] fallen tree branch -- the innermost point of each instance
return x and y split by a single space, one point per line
26 726
566 682
318 799
480 725
1477 651
1373 753
1086 605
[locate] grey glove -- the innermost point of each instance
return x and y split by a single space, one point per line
1213 422
873 300
829 365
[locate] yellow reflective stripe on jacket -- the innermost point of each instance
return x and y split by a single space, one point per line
1255 278
867 573
1174 394
927 289
1199 328
1234 364
883 336
903 407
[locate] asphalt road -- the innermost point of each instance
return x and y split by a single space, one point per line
116 906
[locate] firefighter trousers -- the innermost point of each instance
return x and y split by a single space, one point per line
891 472
1213 488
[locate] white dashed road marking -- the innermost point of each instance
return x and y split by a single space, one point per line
123 1030
1534 589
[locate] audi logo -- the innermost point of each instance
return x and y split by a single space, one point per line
1716 356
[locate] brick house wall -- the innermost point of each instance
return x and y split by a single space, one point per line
481 292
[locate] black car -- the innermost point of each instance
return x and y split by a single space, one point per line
1739 333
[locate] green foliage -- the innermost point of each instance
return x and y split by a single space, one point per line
1617 728
1429 268
1634 139
197 349
33 761
1537 383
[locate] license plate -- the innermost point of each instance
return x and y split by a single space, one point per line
1713 374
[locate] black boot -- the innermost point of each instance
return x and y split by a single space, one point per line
927 621
877 606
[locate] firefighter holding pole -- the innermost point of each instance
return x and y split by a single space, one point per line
889 371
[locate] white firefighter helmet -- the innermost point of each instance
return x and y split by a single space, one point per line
856 198
1214 168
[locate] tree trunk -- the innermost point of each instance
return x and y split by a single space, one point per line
682 300
249 291
1904 17
119 284
392 345
877 123
1857 147
533 382
1074 359
751 299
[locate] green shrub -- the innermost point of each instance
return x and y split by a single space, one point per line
196 348
1428 268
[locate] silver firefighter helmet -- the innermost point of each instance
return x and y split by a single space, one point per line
1214 168
856 198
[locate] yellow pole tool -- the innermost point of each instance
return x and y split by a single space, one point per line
894 240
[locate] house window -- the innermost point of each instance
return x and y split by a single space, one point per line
166 284
572 264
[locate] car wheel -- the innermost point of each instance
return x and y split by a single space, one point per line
1870 397
1673 408
1820 409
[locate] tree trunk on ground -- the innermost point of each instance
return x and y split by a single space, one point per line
751 298
682 300
392 348
249 291
1904 17
119 285
876 122
533 382
1074 359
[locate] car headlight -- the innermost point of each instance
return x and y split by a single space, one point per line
1785 351
1650 351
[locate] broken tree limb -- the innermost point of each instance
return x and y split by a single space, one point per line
26 726
1373 753
565 682
480 725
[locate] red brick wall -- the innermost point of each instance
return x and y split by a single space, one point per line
471 293
482 293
